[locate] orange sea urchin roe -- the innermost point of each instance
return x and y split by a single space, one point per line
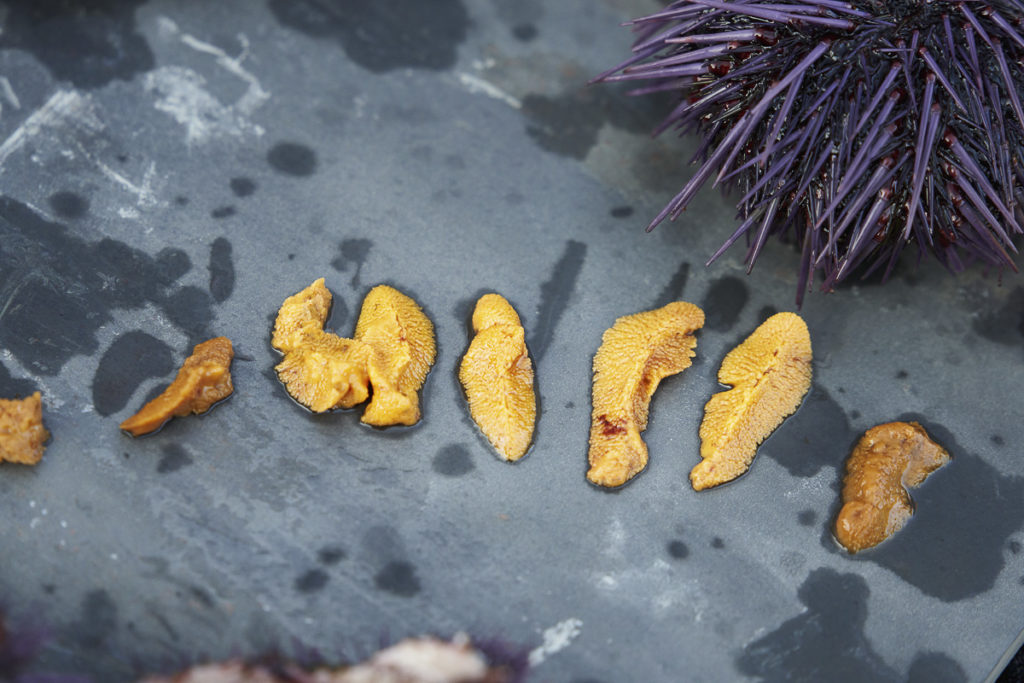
636 353
21 430
301 315
886 461
402 350
203 380
320 370
770 372
497 376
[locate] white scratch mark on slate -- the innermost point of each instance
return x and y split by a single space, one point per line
64 108
182 93
477 85
556 639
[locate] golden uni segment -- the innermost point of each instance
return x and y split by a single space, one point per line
770 372
203 380
497 375
886 461
392 351
636 353
401 340
21 430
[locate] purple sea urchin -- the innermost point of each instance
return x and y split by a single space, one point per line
860 126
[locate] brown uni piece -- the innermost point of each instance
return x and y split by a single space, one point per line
402 349
888 459
770 372
497 375
21 431
636 353
203 380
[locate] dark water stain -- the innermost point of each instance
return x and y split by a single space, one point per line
818 435
935 667
174 458
570 405
57 289
49 588
98 619
902 374
524 32
223 212
677 550
381 37
181 200
398 578
453 460
131 359
312 581
353 251
854 414
1014 547
87 43
568 124
201 596
997 440
824 643
242 186
807 517
724 302
154 391
555 294
717 543
1004 325
673 291
331 555
621 211
68 204
14 388
965 512
222 270
293 159
766 312
190 309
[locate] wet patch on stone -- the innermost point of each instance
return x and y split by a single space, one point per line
352 253
222 270
242 186
87 44
724 302
673 290
382 37
555 294
68 204
292 159
398 578
825 642
131 359
56 288
174 458
453 460
817 435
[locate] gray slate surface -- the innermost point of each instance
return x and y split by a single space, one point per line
172 171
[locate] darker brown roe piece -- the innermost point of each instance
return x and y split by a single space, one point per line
21 430
888 459
203 380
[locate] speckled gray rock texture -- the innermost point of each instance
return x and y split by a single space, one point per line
172 171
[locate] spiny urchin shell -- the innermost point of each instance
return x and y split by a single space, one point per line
860 126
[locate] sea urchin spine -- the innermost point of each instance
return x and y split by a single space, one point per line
861 126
